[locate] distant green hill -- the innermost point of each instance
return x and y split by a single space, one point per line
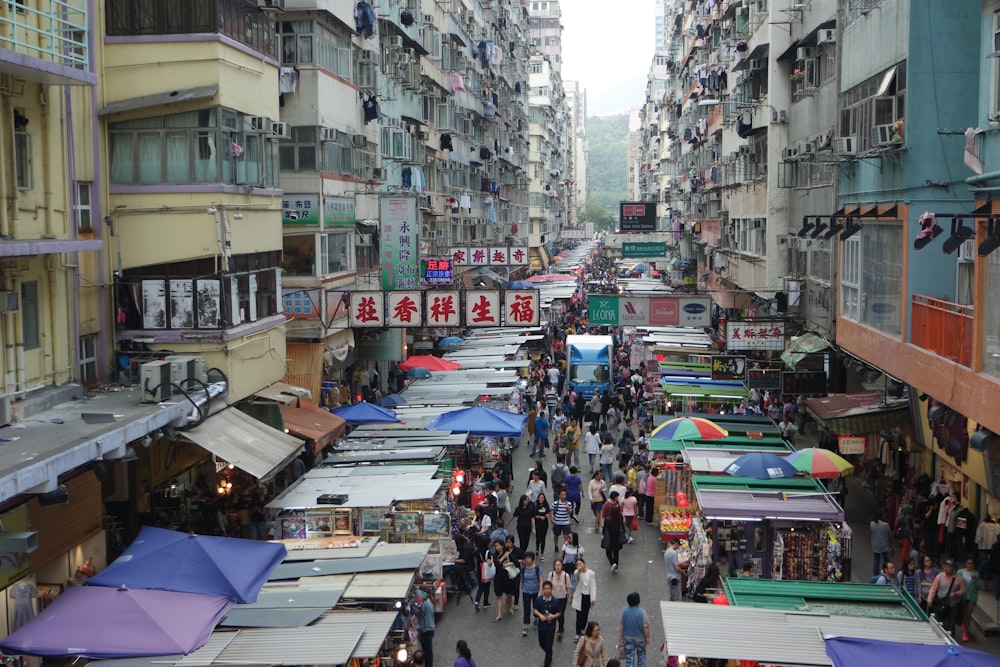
607 137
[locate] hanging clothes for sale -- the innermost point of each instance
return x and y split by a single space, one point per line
365 19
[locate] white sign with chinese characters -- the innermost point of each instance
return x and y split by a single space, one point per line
404 309
442 309
755 336
520 308
496 256
367 309
482 308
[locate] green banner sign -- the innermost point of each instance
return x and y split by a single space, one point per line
640 250
602 310
300 209
338 211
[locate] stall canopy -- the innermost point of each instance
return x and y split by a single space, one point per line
852 651
282 392
836 598
308 421
800 346
250 445
188 563
851 414
429 362
479 420
778 445
750 634
364 486
748 499
366 413
99 622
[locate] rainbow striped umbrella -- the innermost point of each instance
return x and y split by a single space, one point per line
689 428
820 463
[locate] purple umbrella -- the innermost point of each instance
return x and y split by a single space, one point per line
98 622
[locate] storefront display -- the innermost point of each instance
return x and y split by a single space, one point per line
675 522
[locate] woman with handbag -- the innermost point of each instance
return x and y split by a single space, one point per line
947 596
584 596
613 531
486 570
590 647
503 584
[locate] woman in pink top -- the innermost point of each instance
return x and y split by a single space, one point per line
650 493
629 506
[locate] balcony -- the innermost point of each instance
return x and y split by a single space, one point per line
47 45
943 328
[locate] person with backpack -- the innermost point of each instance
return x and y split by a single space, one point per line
562 519
531 585
626 447
888 576
558 475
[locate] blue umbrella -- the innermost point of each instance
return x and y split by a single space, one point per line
761 465
418 373
451 340
520 284
391 401
366 413
480 420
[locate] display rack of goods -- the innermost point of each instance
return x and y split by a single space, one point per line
675 522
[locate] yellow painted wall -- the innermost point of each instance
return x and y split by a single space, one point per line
246 84
156 229
251 363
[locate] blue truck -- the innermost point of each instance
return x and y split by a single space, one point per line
589 364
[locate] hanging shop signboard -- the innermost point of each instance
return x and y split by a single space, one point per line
729 367
637 216
400 239
495 256
300 209
768 379
850 444
338 211
643 250
657 311
755 335
414 309
809 383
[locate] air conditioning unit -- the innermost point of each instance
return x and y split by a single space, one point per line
271 5
753 64
845 145
281 130
396 42
826 36
365 54
154 380
184 368
804 53
359 140
808 148
967 251
10 301
257 123
23 542
378 173
882 135
789 153
364 240
327 134
423 135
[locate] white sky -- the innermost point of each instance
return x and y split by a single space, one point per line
606 44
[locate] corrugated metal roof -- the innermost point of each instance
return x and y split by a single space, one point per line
346 566
377 626
324 645
207 654
380 586
407 454
250 445
750 634
238 617
767 505
408 483
363 547
295 599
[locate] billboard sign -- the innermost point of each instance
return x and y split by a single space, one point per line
637 216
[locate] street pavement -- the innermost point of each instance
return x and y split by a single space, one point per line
501 644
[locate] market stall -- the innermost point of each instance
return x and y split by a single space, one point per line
787 528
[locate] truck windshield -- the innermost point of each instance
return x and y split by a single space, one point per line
589 373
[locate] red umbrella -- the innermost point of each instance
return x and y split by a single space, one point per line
429 362
549 278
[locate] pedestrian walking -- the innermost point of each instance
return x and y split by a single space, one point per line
641 473
486 569
546 610
541 528
464 658
971 578
590 650
607 457
613 531
947 595
524 517
531 583
650 495
571 552
597 491
592 442
881 542
584 596
562 587
629 505
574 489
558 474
503 583
541 443
673 569
571 443
634 635
427 629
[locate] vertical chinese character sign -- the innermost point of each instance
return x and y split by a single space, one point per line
520 308
482 309
442 309
400 240
404 309
367 309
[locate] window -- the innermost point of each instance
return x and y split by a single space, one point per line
237 19
871 282
88 360
804 174
397 144
204 146
22 160
878 101
30 331
310 43
84 222
336 256
990 347
300 153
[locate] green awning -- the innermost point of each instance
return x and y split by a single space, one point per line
703 391
731 483
749 444
802 345
832 598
